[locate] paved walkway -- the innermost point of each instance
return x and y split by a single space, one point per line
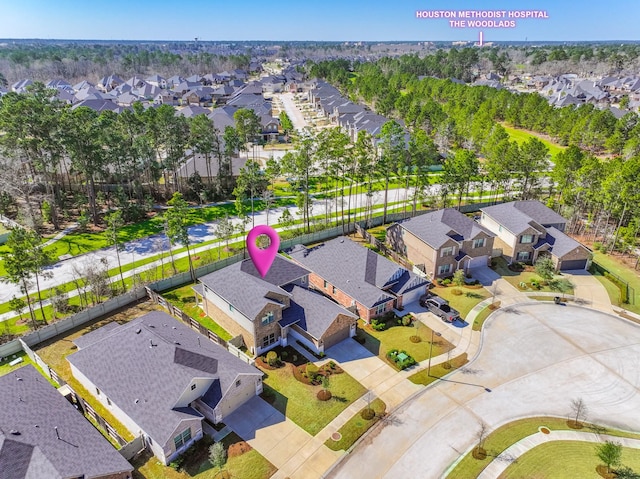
511 454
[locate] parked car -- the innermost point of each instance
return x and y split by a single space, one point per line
440 308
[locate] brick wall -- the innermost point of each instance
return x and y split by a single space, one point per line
228 324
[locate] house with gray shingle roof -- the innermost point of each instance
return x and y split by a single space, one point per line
358 278
273 310
161 379
526 229
442 242
42 435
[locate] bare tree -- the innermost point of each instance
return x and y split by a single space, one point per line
481 435
579 411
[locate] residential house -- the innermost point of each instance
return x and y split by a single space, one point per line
42 435
108 83
442 242
356 277
157 81
526 229
161 379
21 86
166 97
271 311
192 110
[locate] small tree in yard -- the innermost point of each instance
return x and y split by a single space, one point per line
217 455
610 453
17 305
458 277
579 411
482 435
177 225
545 268
114 223
561 285
224 231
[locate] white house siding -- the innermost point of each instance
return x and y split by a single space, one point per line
224 306
235 396
189 395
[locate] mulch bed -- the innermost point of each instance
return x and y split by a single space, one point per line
479 453
574 424
323 395
602 472
238 449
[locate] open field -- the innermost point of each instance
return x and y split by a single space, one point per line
520 136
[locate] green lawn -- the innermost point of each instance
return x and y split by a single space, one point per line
397 337
483 315
503 437
564 460
299 403
426 377
631 276
356 427
184 298
6 369
515 279
250 465
465 302
520 136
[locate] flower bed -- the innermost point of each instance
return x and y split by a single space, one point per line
401 359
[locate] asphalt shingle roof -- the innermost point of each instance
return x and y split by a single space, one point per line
357 271
516 216
560 244
436 228
29 447
144 366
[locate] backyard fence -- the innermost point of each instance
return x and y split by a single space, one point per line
627 292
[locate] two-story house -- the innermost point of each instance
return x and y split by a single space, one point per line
525 229
267 311
160 378
358 278
442 242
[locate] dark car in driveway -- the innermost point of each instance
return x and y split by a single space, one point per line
440 308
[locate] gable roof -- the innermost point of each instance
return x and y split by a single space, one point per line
436 228
151 362
559 243
34 409
241 285
312 311
364 275
517 216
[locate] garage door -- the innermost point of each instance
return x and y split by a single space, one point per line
480 261
335 338
573 264
412 296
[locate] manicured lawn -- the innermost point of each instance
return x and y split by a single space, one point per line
631 276
520 136
184 298
464 302
249 465
484 314
438 371
515 278
503 437
564 460
397 337
6 369
55 353
356 427
299 403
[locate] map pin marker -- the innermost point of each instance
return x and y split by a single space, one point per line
263 258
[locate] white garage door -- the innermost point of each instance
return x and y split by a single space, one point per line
412 296
477 262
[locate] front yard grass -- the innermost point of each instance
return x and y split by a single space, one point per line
508 434
515 279
184 298
631 276
398 337
299 403
356 427
564 460
249 465
484 314
438 371
464 302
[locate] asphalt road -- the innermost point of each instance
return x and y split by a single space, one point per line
534 360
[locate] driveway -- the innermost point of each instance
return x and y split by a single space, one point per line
535 359
589 290
293 112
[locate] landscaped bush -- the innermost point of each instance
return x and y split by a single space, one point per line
367 414
446 282
272 359
456 292
401 359
407 320
624 296
312 371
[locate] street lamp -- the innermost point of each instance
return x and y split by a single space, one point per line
431 351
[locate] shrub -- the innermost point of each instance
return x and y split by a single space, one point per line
378 325
284 354
401 363
446 282
406 320
332 365
272 358
456 292
312 371
367 413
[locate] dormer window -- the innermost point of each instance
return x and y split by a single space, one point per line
448 251
268 318
479 242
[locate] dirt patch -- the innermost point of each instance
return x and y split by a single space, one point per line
574 424
479 453
544 430
323 395
238 449
603 472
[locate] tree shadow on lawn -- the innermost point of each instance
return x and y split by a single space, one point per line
371 343
278 400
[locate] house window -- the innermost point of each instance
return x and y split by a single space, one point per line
333 289
182 438
238 383
381 308
523 256
267 340
446 251
325 283
268 318
479 243
526 239
193 386
97 391
231 308
500 228
108 402
444 269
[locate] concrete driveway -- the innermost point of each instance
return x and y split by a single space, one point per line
535 358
